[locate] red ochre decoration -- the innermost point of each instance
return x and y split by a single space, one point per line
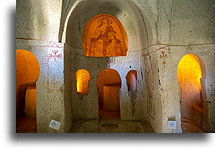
104 36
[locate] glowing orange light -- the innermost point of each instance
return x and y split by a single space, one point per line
82 79
27 67
189 69
189 75
104 36
27 73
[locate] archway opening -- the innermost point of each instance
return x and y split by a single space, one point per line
190 73
108 85
27 73
140 33
82 78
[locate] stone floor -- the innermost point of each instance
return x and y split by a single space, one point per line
107 114
111 126
26 125
188 126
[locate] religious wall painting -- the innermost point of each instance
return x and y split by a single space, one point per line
104 36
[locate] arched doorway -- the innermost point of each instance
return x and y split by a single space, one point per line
27 73
108 85
191 75
140 32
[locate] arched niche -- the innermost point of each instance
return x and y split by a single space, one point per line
131 79
104 36
108 85
136 21
27 73
82 77
191 75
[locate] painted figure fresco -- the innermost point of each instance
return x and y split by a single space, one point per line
104 36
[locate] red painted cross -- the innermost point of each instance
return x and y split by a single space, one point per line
55 56
163 56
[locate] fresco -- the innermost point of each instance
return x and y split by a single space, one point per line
104 36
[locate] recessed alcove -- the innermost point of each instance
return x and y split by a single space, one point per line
108 85
110 34
191 74
82 77
131 79
27 73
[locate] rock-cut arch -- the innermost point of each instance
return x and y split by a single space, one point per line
131 79
108 85
129 13
27 73
137 22
191 76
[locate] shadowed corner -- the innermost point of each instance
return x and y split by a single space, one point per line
12 71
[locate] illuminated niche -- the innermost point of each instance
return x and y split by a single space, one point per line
189 78
27 73
82 78
189 75
131 79
104 36
109 84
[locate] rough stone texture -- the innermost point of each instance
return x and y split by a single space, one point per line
30 103
152 88
159 33
111 126
196 23
38 20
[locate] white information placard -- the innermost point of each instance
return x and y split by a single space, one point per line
54 124
172 124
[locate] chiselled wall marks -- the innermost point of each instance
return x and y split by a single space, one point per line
149 80
152 86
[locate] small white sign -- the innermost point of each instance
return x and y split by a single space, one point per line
172 124
54 124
